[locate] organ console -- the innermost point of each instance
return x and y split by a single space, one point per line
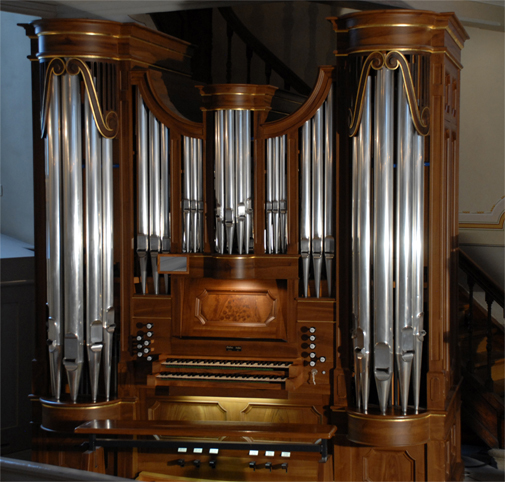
244 285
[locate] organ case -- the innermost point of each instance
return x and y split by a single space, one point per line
249 272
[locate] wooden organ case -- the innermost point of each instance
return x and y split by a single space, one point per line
241 285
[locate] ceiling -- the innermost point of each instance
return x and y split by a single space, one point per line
485 14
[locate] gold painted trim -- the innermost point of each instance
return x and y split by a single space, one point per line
80 407
257 109
107 127
236 93
70 32
498 226
121 37
405 25
406 49
393 60
318 321
115 59
382 418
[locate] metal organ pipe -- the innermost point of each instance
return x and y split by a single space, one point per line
239 182
94 263
142 191
397 234
219 181
109 325
229 179
248 182
317 198
329 174
54 241
153 190
283 196
78 239
418 262
317 224
276 196
73 264
363 334
193 195
154 198
404 331
355 265
165 196
305 209
383 236
233 181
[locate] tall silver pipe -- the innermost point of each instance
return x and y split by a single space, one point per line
276 195
357 342
154 198
305 206
219 180
248 182
73 228
194 195
363 339
94 263
143 190
165 195
329 200
317 198
283 196
199 195
54 241
417 261
383 236
269 196
229 177
186 196
240 187
404 332
109 324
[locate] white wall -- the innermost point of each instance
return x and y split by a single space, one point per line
16 175
482 152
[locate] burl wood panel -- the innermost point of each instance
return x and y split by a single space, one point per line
239 309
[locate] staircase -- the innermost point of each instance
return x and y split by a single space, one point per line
198 28
482 354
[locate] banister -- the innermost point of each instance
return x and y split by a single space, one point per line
263 52
471 268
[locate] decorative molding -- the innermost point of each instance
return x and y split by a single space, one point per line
108 126
392 61
493 219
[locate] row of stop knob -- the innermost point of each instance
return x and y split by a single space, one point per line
311 337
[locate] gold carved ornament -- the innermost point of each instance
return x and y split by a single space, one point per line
392 61
108 126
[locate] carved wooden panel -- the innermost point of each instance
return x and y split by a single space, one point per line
387 465
247 308
233 309
275 413
187 410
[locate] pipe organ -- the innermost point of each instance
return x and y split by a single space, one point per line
245 288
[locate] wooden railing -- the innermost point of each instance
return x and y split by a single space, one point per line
254 47
494 295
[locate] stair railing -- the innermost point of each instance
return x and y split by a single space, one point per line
493 294
254 46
